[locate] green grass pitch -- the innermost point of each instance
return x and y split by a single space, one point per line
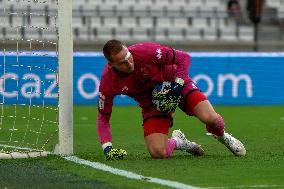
260 128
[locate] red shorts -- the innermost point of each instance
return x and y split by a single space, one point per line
157 125
190 97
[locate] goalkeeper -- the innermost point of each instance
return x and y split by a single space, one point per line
156 76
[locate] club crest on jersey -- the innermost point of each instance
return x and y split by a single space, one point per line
159 53
125 88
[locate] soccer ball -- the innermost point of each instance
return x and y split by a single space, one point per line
164 98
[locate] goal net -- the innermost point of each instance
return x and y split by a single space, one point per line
36 78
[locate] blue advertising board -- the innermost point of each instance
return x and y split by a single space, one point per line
226 78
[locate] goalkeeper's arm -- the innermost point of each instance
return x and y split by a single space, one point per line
105 138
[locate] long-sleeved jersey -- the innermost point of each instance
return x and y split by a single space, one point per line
153 63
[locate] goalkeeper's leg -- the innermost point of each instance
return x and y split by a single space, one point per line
197 104
156 137
160 146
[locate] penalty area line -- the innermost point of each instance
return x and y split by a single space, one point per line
128 174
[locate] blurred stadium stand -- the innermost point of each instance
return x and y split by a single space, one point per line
198 25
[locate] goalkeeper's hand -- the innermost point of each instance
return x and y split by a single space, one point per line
175 89
166 96
114 153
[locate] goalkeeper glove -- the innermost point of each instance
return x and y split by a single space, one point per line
166 95
113 153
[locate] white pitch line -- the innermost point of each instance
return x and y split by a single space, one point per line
131 175
246 186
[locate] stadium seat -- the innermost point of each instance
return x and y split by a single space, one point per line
112 2
38 21
123 34
213 22
105 10
228 34
104 33
180 3
17 21
146 22
246 33
2 3
280 12
214 3
31 33
174 11
226 23
12 33
221 11
77 22
1 32
164 22
180 22
141 10
193 34
190 11
175 34
20 6
93 2
36 6
95 22
210 34
52 5
90 6
5 21
83 34
124 10
200 23
49 34
78 3
207 11
160 35
140 34
52 21
129 22
157 10
145 2
129 2
163 2
111 22
196 3
273 3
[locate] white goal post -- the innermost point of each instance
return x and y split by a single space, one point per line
65 57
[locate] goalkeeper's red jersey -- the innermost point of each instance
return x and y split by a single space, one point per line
152 63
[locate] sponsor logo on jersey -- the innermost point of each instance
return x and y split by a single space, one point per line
159 53
124 89
101 101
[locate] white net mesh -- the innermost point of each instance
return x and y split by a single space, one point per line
28 82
